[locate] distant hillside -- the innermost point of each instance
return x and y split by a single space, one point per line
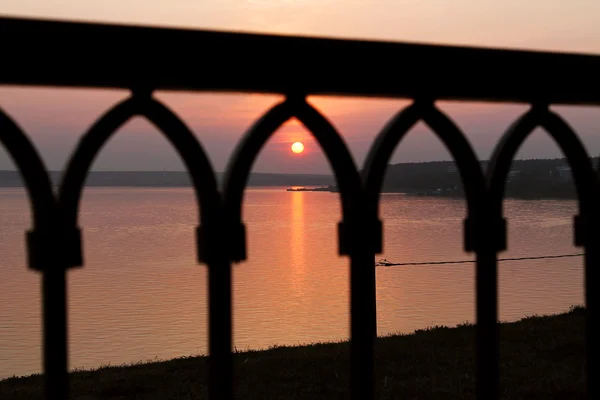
172 179
528 179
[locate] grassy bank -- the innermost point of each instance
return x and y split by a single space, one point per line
541 358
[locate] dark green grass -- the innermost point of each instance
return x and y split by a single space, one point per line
541 358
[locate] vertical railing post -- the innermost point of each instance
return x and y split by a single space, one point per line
592 332
487 352
363 331
587 235
55 342
355 241
46 253
213 251
220 332
485 233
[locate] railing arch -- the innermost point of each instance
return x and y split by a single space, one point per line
564 137
449 134
210 234
475 224
351 232
174 130
247 150
44 254
585 224
32 170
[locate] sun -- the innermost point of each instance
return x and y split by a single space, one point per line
297 147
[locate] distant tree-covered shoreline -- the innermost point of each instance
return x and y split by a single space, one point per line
528 179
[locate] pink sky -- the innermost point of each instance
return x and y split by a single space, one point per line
55 118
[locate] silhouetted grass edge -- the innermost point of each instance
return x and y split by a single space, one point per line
541 357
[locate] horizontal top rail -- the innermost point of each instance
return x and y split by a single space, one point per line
75 54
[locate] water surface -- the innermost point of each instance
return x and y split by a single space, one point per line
142 296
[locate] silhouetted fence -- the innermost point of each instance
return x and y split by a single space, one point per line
143 60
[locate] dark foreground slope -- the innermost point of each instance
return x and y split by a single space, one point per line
542 358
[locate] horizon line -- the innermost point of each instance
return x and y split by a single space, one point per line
296 173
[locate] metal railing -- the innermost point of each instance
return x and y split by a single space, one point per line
143 60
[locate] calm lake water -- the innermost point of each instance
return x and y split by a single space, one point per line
142 296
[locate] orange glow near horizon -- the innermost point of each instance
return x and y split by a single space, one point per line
297 147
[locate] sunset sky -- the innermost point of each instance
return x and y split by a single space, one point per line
55 118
